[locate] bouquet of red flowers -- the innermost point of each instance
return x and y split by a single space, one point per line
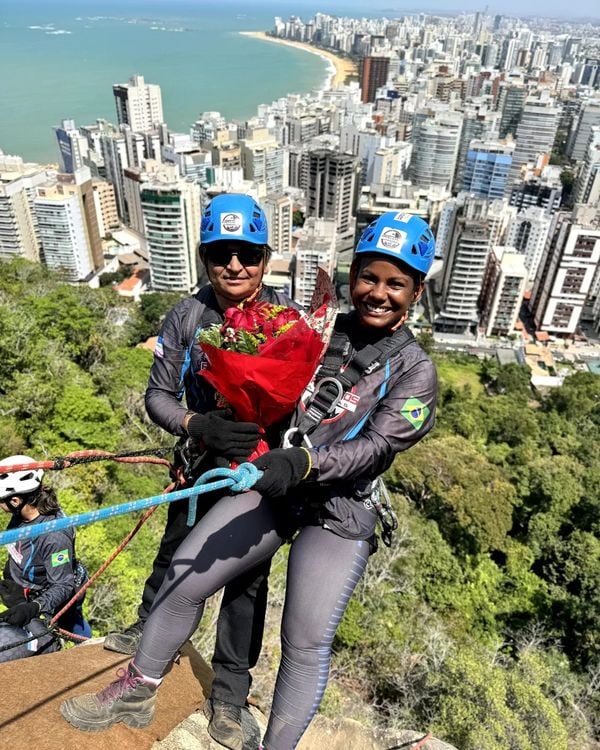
262 357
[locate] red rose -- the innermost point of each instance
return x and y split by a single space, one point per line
233 318
289 315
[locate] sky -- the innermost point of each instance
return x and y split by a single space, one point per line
547 8
583 9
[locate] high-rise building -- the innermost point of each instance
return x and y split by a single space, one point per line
479 226
566 276
373 75
262 161
279 210
587 184
106 206
68 226
171 211
116 160
328 179
528 233
139 104
316 247
536 131
487 168
542 190
510 103
581 131
478 124
73 147
435 142
18 223
502 291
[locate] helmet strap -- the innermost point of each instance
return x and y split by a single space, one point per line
15 507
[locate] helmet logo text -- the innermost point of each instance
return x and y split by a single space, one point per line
391 239
231 223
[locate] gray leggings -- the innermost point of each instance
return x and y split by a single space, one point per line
235 536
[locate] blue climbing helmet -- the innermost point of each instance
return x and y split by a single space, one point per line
401 236
233 216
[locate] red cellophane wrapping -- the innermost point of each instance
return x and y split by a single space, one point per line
265 387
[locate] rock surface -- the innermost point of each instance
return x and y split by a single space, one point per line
323 734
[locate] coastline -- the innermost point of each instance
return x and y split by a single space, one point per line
340 67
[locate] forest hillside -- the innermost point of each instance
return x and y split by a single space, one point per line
480 624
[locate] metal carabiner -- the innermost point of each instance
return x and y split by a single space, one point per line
287 442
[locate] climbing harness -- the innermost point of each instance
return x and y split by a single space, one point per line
333 387
336 380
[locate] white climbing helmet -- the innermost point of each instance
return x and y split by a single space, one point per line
19 482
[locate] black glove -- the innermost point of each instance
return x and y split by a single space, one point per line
222 436
283 469
21 614
11 593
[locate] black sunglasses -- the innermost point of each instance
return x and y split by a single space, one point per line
247 256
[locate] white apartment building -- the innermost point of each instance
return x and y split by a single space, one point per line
581 131
263 161
480 225
316 247
536 131
528 233
63 234
18 224
587 184
566 277
502 292
139 104
435 142
279 210
171 211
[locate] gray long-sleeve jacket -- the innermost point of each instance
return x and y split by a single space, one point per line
178 358
389 411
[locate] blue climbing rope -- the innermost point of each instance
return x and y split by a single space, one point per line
237 480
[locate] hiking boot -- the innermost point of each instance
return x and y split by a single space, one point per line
130 699
224 723
126 642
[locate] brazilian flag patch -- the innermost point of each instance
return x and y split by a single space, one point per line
415 412
59 558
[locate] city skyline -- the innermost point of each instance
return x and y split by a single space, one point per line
484 125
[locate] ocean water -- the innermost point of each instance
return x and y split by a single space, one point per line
60 58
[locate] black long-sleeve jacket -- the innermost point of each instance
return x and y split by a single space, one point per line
389 411
43 566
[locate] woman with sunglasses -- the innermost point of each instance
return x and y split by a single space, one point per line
234 250
316 490
41 574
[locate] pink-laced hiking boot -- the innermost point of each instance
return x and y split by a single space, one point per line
130 699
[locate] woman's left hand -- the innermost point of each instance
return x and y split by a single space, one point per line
11 593
21 614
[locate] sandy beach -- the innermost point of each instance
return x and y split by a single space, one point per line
341 67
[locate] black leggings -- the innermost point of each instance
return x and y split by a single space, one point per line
236 535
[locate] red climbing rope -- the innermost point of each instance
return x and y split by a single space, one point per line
88 456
